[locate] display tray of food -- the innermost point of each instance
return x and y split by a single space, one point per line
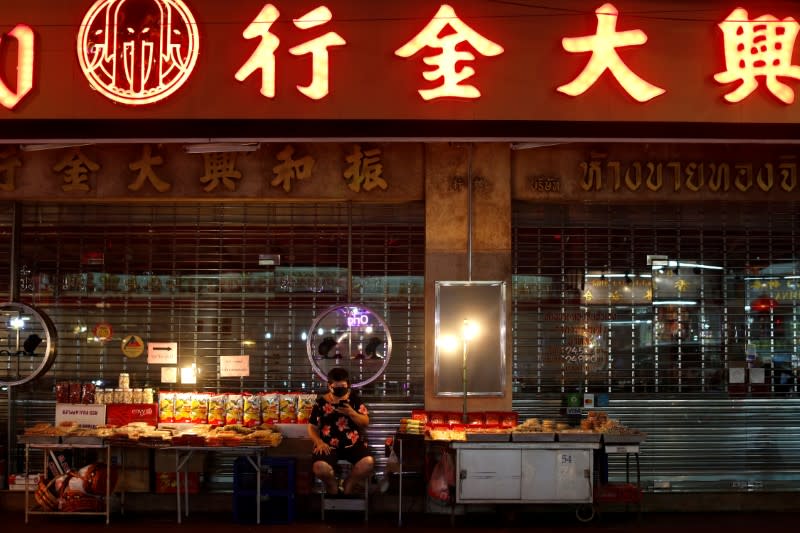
82 439
533 436
624 438
578 436
485 436
39 439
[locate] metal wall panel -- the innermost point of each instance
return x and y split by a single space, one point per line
667 345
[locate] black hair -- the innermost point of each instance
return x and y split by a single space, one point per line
338 374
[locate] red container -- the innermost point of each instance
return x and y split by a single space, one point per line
119 414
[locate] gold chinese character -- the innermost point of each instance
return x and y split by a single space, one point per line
9 162
446 62
146 173
588 296
758 48
603 46
291 169
220 167
76 167
681 285
365 170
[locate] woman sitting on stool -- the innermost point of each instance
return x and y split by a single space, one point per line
335 426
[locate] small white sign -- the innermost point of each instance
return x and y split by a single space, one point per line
169 374
162 353
756 375
234 366
189 375
588 400
736 375
85 415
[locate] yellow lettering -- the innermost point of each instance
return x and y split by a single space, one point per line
765 183
744 177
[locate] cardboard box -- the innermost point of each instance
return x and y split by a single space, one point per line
167 484
120 414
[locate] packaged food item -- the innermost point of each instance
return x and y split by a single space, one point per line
137 396
452 417
475 419
270 407
305 403
288 409
252 410
216 409
88 392
419 414
127 396
166 407
199 410
62 392
492 419
74 392
118 396
183 407
147 395
437 418
234 407
124 381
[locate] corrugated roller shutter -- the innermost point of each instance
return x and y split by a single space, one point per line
684 316
190 274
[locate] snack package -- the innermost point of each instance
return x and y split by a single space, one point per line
234 408
74 392
252 410
62 392
199 411
452 417
270 407
437 418
288 409
216 409
166 407
88 392
305 403
475 419
183 407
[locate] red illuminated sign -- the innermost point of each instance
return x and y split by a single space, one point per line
603 46
759 47
25 40
264 57
364 60
138 51
445 62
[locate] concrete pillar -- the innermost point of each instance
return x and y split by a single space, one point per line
447 168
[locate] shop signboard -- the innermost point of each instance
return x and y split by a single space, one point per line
464 60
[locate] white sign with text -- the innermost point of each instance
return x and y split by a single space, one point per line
162 353
234 366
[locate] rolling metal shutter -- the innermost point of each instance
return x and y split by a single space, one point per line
190 274
663 309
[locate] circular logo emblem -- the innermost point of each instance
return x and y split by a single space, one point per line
103 331
137 52
132 346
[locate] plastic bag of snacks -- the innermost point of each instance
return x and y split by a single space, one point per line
216 409
252 410
234 407
270 407
166 407
288 409
183 407
305 403
199 408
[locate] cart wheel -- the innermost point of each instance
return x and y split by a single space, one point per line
585 513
